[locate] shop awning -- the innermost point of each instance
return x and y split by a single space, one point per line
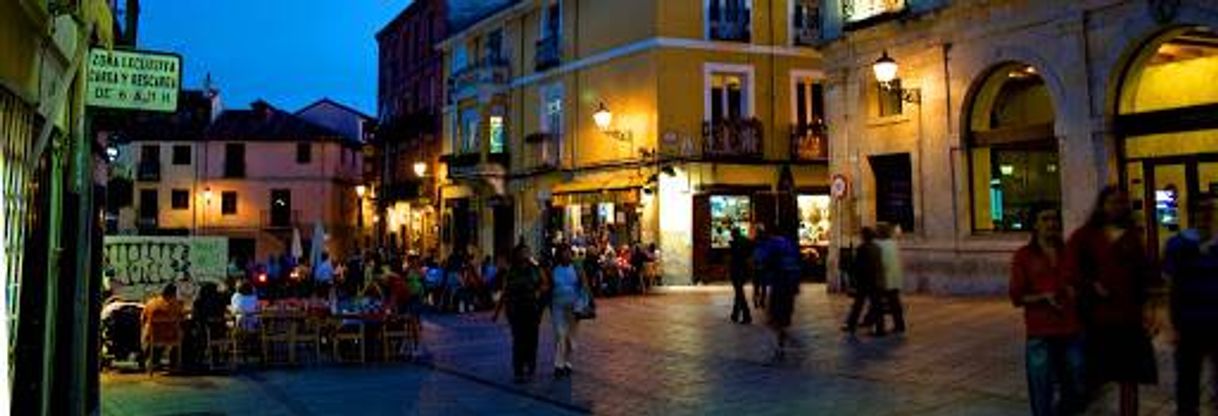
618 190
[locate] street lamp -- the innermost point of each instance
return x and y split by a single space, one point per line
420 169
359 191
359 209
603 118
885 70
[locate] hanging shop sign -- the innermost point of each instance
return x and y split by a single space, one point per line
138 266
133 80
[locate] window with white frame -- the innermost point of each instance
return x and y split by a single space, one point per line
467 129
805 22
728 96
552 120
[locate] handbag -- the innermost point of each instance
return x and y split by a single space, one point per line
585 306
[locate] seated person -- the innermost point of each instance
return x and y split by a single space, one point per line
244 305
162 318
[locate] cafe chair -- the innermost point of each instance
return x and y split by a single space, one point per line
220 348
308 334
277 334
395 337
164 334
350 333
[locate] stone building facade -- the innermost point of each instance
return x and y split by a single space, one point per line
1003 104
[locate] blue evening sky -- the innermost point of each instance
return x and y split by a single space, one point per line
288 52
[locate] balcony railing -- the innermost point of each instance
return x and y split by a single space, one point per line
806 25
490 71
809 142
731 25
545 150
548 54
732 139
461 160
288 219
148 171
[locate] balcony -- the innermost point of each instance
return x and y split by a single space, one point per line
545 149
461 160
490 72
732 139
805 25
148 171
810 142
548 54
731 25
272 220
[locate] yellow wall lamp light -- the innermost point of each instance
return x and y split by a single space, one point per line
885 70
604 119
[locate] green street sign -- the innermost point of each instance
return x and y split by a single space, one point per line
133 80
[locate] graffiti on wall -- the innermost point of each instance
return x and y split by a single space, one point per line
138 266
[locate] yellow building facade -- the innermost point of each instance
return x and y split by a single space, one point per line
641 121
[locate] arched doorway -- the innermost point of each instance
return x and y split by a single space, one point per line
1167 125
1012 148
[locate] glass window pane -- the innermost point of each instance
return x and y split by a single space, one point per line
729 212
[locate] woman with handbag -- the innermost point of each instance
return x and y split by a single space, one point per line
1108 259
568 298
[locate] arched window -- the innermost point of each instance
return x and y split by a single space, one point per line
1012 150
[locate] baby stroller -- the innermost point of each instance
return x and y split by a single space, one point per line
120 335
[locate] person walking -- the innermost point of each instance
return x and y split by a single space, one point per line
1191 262
521 290
741 250
892 283
565 284
1054 349
1108 259
781 259
866 273
760 273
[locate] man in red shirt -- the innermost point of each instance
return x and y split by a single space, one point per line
1054 351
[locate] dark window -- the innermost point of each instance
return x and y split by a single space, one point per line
150 153
181 155
228 203
893 190
234 160
148 204
889 98
180 199
304 153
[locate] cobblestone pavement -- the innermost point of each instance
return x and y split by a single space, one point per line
671 353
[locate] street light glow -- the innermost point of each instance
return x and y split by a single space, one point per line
420 169
885 69
360 190
603 117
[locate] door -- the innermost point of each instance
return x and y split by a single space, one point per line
893 190
281 208
1162 188
148 208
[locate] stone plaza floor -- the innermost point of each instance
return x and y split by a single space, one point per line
669 353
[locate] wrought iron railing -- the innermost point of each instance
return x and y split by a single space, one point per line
805 24
269 219
148 171
732 138
731 25
809 142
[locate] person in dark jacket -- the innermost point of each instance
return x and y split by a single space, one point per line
522 287
866 274
1191 261
760 273
741 251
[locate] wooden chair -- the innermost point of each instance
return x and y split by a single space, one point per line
220 348
351 332
308 333
395 336
277 334
163 333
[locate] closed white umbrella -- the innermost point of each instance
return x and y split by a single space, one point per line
297 248
319 244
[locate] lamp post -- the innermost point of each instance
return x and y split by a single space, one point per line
604 119
885 70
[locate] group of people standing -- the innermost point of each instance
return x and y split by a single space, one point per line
1085 305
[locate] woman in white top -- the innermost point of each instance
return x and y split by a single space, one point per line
245 306
565 283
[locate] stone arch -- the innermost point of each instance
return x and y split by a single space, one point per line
1006 55
1140 34
1010 130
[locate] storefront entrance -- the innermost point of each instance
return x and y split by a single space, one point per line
1161 189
